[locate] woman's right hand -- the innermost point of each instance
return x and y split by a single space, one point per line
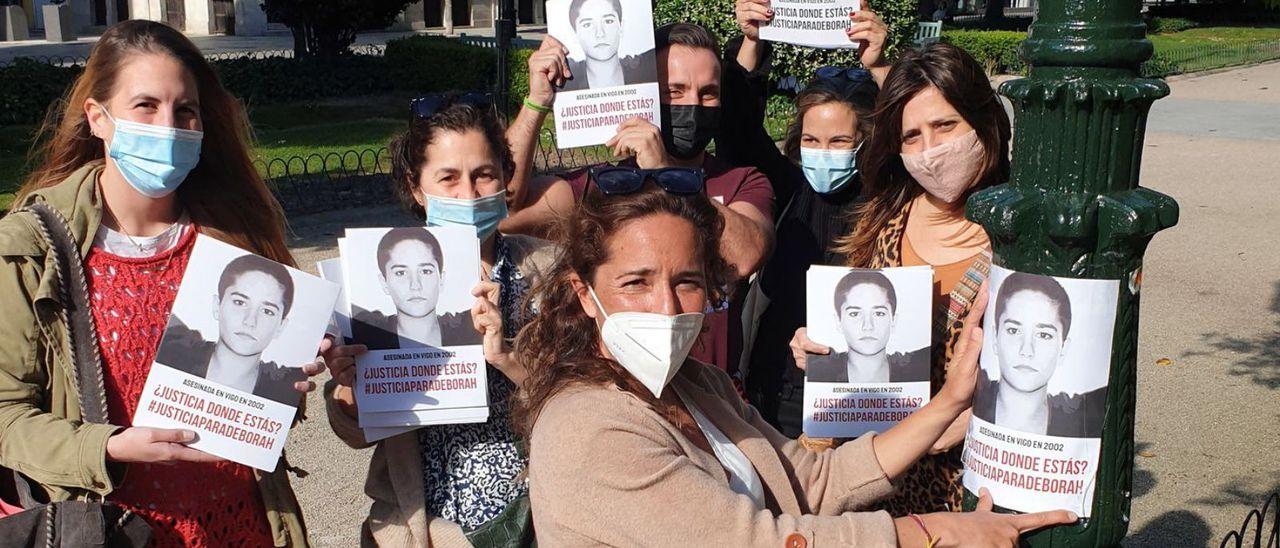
980 528
548 70
750 13
155 445
801 347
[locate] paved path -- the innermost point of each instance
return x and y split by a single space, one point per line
1207 424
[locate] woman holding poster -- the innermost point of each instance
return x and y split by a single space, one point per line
940 134
451 168
666 437
815 176
148 150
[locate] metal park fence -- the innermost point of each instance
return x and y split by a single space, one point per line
1201 57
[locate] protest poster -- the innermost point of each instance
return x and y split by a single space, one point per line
409 291
241 328
614 68
878 325
813 23
340 324
1036 430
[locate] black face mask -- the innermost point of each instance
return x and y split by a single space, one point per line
686 129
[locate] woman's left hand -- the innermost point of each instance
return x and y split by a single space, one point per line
486 317
870 31
962 370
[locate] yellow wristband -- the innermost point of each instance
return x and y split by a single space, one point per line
536 107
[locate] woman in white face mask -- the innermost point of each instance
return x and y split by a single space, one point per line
448 484
939 135
633 444
148 150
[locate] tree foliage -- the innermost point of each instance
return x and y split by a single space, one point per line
790 60
326 28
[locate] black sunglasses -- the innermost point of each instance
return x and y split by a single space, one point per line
614 180
428 105
854 75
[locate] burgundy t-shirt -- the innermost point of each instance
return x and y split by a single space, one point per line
721 342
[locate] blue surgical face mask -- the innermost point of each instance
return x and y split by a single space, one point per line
828 170
153 159
484 212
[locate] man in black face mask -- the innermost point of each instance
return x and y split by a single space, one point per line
689 84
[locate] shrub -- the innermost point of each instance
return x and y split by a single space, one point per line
28 87
281 79
326 28
1165 25
423 64
999 51
790 60
1159 66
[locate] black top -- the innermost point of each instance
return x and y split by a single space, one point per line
378 331
808 223
636 69
1070 415
185 350
905 367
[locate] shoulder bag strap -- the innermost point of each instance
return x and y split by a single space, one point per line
82 337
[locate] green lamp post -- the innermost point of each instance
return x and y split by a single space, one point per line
1073 207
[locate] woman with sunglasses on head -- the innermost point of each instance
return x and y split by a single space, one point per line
447 484
634 444
939 134
814 176
147 150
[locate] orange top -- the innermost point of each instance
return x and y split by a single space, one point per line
945 276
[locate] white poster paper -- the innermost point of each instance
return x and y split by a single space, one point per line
813 23
391 419
877 324
340 324
241 328
1042 388
611 58
409 290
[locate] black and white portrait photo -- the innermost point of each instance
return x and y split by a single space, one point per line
610 42
1047 354
410 287
246 322
875 321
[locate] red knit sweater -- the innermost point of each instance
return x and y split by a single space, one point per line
187 504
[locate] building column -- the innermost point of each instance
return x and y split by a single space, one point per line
198 16
251 20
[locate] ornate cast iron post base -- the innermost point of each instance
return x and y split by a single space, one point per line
1073 208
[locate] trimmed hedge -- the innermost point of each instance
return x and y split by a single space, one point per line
1165 25
414 65
998 51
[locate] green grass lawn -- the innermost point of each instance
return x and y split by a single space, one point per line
281 131
1214 35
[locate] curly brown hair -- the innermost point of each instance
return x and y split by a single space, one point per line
409 148
560 347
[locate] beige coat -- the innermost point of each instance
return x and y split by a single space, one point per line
606 469
398 516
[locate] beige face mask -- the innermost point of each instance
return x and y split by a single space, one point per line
947 170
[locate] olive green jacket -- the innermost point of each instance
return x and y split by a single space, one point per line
41 431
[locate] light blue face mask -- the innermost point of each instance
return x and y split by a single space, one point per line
828 170
484 212
153 159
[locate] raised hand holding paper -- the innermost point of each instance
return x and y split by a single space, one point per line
877 323
813 23
613 65
240 330
1042 388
